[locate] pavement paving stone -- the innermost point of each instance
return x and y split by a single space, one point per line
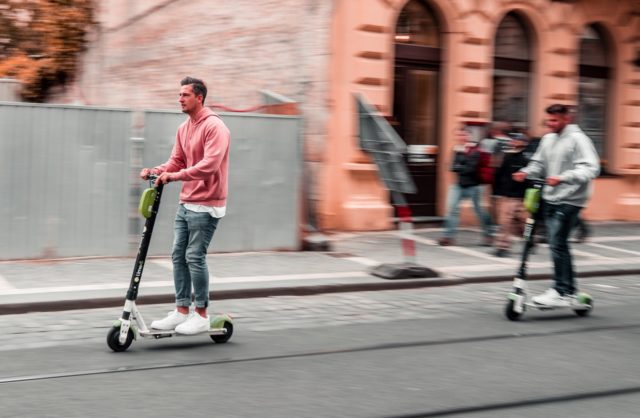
277 313
612 247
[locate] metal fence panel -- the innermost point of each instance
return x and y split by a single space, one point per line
69 185
64 181
264 181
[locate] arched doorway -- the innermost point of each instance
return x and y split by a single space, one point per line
416 99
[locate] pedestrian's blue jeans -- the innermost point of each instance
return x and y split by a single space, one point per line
455 196
192 234
560 220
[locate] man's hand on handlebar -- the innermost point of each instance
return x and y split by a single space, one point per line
145 173
553 180
519 176
164 178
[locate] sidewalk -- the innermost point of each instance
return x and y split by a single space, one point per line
49 285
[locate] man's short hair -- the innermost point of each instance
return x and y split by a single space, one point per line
198 86
558 109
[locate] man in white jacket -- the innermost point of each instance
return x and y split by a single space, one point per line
568 161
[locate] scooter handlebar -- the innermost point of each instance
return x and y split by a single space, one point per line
536 181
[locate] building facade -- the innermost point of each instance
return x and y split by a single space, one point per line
426 65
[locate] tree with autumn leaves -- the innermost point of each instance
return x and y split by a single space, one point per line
41 42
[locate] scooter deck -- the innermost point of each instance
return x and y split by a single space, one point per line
573 307
156 333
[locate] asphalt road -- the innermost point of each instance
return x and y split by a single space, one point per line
406 353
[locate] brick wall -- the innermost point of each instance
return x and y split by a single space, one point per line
138 55
141 50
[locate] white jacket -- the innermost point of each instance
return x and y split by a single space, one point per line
571 156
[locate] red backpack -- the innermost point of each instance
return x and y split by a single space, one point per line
485 171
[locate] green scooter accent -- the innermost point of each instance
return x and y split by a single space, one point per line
219 320
584 298
532 198
146 202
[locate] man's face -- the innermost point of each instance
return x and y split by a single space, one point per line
556 123
188 100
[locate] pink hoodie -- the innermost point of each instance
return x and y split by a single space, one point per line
200 157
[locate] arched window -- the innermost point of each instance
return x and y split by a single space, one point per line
593 87
417 26
511 68
417 48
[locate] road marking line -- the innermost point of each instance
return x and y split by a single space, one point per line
535 264
295 276
604 286
84 288
302 276
473 268
416 238
364 261
590 255
607 247
461 250
169 283
4 284
164 263
614 238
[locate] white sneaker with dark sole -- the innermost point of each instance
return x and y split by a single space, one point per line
194 325
171 321
554 299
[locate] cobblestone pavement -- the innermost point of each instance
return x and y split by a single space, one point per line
294 312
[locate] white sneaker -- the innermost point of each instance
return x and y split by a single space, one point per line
172 320
194 325
552 298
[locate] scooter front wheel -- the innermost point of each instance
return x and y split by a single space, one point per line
510 311
113 339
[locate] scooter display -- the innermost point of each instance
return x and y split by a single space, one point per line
131 324
518 298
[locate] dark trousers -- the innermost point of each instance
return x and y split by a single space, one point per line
560 220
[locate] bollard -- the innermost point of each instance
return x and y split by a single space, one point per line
408 269
405 224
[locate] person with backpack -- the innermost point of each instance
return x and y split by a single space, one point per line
512 214
466 158
491 153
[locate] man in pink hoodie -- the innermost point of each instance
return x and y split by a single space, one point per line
200 159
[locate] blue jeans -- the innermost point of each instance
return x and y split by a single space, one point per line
560 219
192 234
455 196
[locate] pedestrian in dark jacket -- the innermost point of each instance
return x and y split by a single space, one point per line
465 164
512 215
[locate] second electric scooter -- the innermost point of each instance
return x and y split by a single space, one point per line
131 325
518 299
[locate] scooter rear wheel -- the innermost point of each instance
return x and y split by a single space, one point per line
220 339
113 340
584 312
511 314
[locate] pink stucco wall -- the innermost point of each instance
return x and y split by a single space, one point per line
320 52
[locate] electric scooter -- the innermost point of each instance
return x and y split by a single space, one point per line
518 299
131 324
